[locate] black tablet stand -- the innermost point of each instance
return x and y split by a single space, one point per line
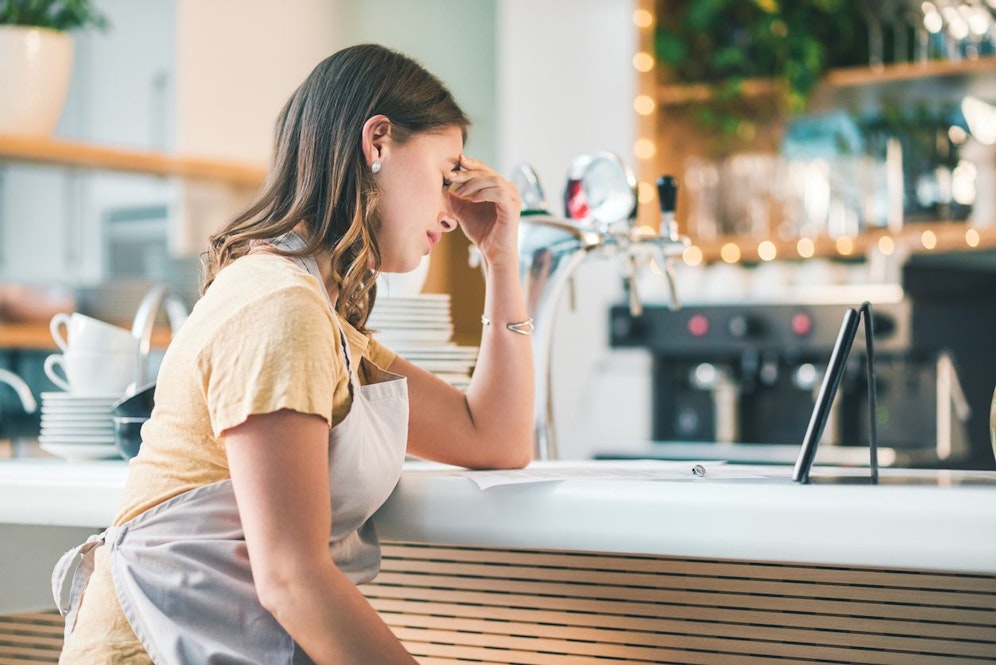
828 390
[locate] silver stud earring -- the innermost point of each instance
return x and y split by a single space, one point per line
375 167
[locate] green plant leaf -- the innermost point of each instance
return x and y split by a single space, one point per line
59 15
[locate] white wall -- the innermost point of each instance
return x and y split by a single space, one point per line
454 39
238 61
565 83
566 87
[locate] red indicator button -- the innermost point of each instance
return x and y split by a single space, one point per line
698 325
802 324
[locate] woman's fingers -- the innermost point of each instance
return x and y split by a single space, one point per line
478 183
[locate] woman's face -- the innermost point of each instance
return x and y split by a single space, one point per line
415 205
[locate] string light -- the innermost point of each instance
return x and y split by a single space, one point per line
767 251
692 256
845 245
730 252
886 245
643 62
642 18
644 149
972 238
806 248
928 239
644 104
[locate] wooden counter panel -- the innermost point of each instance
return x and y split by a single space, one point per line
538 606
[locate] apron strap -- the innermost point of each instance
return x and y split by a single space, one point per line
292 242
85 553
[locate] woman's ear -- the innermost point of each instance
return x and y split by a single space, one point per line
376 135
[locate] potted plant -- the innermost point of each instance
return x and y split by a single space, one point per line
726 43
36 59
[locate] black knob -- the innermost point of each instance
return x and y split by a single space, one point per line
883 324
742 326
625 329
667 191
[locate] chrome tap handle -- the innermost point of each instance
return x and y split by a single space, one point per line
635 304
667 192
672 283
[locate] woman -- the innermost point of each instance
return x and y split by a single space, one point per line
280 426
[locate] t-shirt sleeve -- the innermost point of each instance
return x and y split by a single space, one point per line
279 352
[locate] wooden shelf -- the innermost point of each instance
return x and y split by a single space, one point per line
693 93
947 236
858 76
75 153
37 336
697 93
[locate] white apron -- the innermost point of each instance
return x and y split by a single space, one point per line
181 569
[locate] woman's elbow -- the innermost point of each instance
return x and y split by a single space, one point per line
522 460
516 454
274 592
280 585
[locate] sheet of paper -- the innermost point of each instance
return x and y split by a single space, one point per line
545 472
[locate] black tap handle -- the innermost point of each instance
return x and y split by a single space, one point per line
667 191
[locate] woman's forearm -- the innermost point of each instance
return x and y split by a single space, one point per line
500 394
325 613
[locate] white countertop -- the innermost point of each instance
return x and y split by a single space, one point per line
736 512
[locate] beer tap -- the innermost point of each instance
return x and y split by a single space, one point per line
551 249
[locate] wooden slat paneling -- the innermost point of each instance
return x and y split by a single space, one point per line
489 605
30 638
458 605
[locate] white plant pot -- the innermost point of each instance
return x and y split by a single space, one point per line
35 67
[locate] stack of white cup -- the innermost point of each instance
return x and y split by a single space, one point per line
97 358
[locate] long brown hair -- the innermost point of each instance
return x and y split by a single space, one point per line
319 174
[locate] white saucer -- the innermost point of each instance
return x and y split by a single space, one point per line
75 438
422 297
443 366
77 452
88 429
377 320
400 336
436 352
453 377
410 307
80 399
76 414
58 417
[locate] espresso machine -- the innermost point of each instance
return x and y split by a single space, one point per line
743 376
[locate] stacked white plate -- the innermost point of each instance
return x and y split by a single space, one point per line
420 328
78 427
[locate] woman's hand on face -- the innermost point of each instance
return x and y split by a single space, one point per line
487 207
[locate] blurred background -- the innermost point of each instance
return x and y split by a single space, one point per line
818 146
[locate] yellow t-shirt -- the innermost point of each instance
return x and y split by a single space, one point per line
262 338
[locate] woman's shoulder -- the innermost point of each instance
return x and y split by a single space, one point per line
258 276
259 291
263 266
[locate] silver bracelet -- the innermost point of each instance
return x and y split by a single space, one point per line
521 328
